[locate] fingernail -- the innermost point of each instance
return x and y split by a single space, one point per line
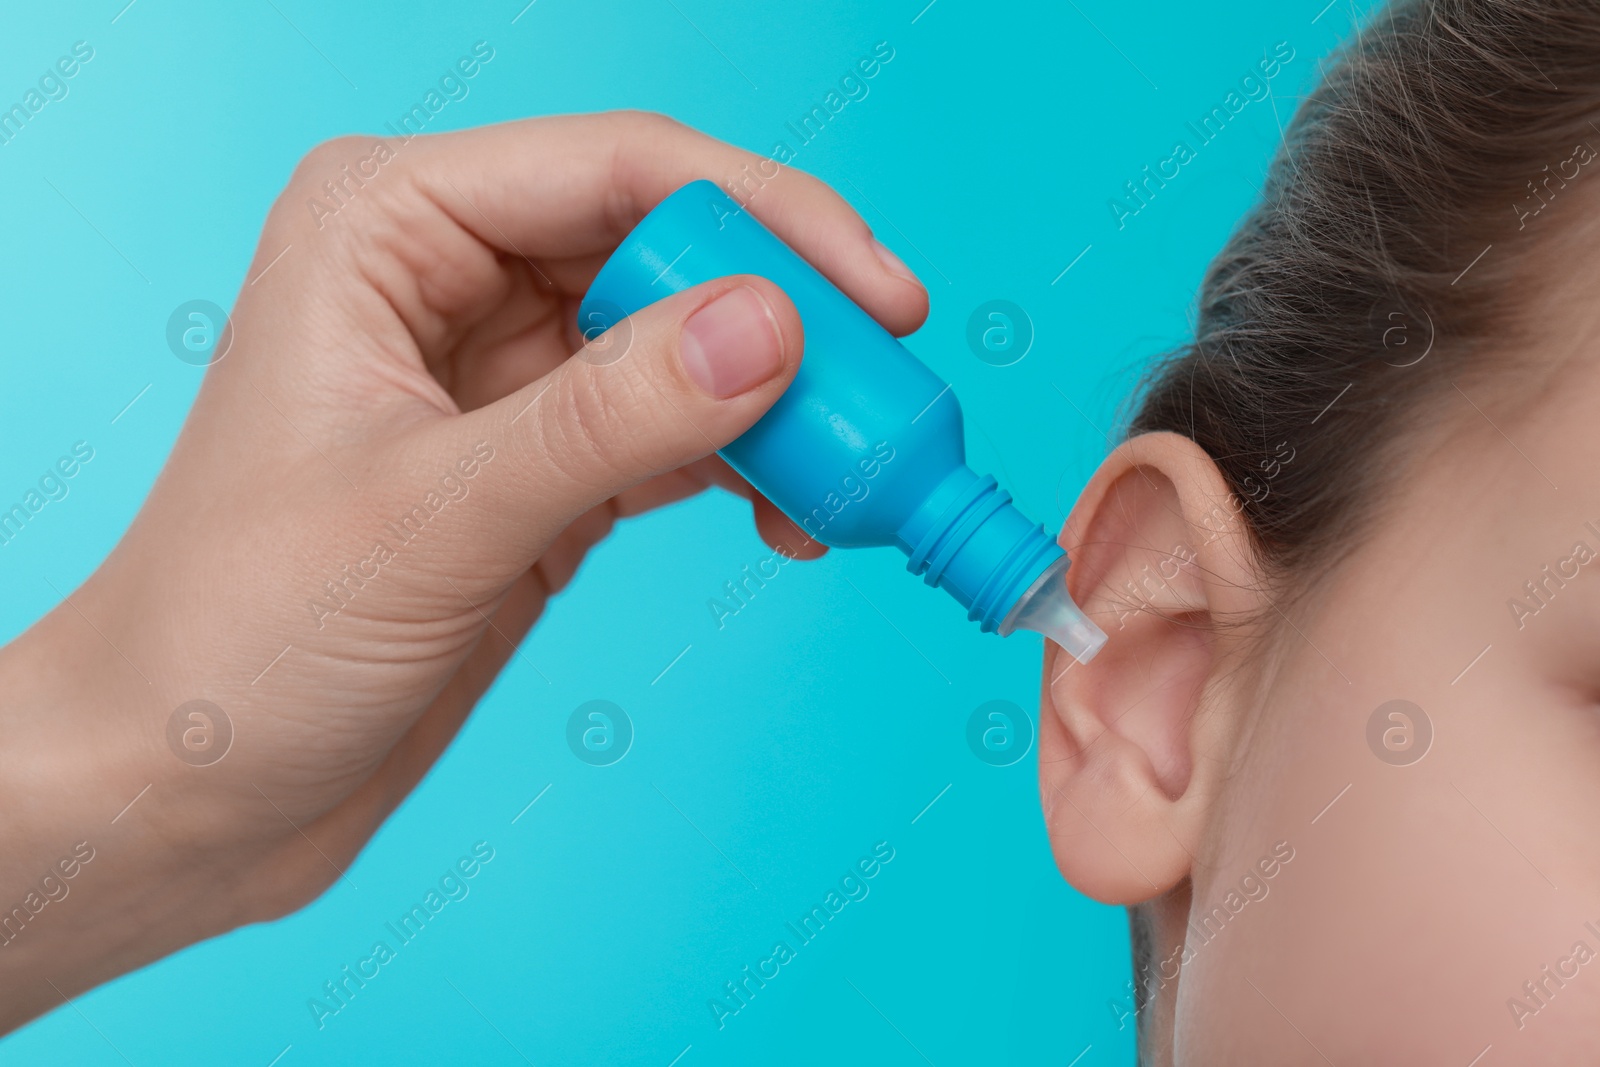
892 263
733 344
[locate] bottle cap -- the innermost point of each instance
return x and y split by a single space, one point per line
1047 608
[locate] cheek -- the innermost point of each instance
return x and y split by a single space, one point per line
1421 895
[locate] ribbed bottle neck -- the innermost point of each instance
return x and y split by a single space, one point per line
969 540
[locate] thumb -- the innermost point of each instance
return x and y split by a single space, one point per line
666 386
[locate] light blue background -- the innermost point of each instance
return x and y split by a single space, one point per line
822 719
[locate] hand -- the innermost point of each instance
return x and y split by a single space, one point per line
394 466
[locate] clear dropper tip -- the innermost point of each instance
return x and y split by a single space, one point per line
1047 608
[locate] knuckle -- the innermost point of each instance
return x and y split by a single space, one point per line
295 205
343 175
650 121
321 161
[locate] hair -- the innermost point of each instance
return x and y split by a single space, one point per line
1387 258
1383 261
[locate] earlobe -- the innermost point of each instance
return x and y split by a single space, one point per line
1129 743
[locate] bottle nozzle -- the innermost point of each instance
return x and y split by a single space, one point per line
1047 608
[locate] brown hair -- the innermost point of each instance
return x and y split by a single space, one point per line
1397 219
1399 222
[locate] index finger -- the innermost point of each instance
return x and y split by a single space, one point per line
572 186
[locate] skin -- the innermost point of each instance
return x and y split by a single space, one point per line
1419 898
432 318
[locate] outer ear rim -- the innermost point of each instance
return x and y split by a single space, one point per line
1167 450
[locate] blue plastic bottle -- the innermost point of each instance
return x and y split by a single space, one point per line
865 447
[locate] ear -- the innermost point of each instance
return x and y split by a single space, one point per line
1134 745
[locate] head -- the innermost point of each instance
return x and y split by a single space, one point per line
1371 478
